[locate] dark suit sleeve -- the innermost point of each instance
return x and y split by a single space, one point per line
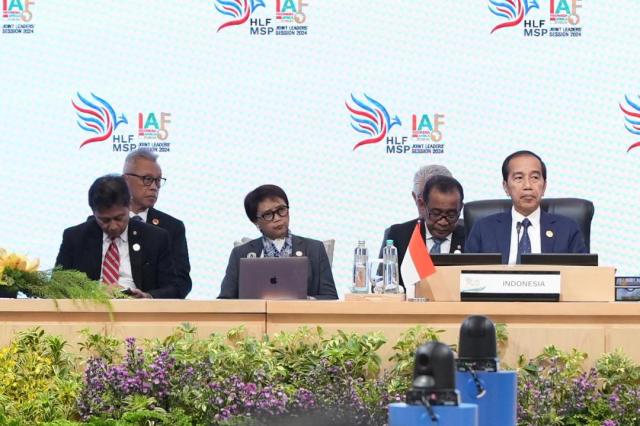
327 287
65 254
576 241
474 241
167 285
181 256
229 286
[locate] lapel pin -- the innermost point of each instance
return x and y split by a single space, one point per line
136 247
155 221
299 253
251 255
549 233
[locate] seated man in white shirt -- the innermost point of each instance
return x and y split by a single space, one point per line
119 252
526 228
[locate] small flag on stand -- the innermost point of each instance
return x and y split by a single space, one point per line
416 264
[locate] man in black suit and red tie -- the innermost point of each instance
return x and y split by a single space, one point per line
144 178
119 252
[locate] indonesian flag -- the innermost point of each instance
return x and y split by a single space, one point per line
416 264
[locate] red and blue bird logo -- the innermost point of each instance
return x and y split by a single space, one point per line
631 110
513 11
371 118
97 116
239 10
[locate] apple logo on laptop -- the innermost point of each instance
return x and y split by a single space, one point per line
273 280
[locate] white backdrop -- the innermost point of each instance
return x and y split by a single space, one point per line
252 109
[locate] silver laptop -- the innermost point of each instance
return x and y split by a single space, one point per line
273 278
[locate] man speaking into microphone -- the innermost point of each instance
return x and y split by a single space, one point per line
527 228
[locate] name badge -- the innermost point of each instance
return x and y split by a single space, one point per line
510 285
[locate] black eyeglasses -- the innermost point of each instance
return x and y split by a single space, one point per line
268 216
148 180
451 215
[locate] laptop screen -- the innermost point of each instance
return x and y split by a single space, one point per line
461 259
568 259
273 278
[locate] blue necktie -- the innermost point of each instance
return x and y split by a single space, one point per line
437 242
524 245
137 218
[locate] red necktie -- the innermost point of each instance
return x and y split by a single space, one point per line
111 264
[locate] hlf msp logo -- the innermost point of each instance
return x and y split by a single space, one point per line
99 120
513 13
238 12
17 16
631 110
371 118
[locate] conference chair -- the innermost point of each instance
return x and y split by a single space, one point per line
578 209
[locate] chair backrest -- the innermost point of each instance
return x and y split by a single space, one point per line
578 209
328 246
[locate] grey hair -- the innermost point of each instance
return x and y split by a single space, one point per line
140 154
426 172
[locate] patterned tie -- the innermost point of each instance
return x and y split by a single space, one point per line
437 242
524 246
111 264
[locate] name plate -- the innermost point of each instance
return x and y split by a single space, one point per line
510 285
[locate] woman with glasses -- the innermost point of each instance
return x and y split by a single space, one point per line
267 207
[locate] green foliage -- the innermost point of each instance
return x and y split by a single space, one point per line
40 384
59 284
618 369
101 345
38 380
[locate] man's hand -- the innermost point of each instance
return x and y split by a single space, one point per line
139 294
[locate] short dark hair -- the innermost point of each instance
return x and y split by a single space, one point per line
445 184
260 194
108 191
505 163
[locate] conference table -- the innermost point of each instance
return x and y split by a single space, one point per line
592 327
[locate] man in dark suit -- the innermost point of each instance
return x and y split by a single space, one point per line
144 178
123 253
443 199
527 228
268 208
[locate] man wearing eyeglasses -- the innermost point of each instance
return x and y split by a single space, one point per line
267 207
144 178
439 200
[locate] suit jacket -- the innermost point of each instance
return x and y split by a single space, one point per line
319 282
400 233
492 234
151 265
179 249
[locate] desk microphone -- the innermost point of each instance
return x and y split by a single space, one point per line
518 228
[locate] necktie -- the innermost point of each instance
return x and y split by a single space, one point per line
437 242
111 264
137 218
524 245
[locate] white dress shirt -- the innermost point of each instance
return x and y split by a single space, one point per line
125 276
444 247
533 231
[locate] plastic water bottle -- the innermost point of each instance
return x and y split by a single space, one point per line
390 273
360 258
